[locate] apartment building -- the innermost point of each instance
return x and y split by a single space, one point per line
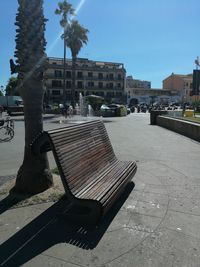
149 96
135 83
139 91
181 83
106 79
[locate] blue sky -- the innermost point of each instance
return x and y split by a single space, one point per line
153 38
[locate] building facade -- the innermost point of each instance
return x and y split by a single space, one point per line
106 79
134 83
139 91
150 96
182 83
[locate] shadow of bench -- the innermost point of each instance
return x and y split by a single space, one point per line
92 176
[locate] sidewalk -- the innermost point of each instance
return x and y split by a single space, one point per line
154 224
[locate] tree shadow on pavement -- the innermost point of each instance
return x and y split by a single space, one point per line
48 230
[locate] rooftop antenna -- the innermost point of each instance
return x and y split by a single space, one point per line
197 63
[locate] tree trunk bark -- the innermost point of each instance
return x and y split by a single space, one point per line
34 175
64 75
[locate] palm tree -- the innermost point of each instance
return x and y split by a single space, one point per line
76 36
34 175
64 9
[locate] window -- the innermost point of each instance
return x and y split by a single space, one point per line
110 85
119 85
58 73
118 94
80 74
111 76
110 94
68 74
119 77
68 84
80 84
100 85
90 84
100 75
90 74
56 83
68 95
55 92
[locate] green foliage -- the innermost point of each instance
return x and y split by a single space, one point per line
64 9
196 105
95 101
75 37
11 87
55 170
1 93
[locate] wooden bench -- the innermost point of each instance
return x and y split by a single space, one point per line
92 176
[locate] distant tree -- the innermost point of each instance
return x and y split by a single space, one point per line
95 101
64 9
76 36
34 175
11 87
1 93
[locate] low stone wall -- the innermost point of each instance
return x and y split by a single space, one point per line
188 129
154 114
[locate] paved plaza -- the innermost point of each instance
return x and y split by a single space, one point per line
154 224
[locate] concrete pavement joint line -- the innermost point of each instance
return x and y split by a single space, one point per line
187 213
192 236
132 228
53 257
140 213
170 167
28 205
156 202
181 233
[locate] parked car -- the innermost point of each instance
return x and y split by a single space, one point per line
113 110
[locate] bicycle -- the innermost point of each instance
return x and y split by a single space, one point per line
6 129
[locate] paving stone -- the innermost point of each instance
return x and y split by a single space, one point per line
144 223
186 205
138 257
151 208
156 198
184 222
176 248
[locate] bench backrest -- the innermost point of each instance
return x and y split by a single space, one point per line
81 151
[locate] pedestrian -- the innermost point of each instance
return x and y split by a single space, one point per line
1 111
70 111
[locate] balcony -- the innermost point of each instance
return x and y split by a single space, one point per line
83 78
89 68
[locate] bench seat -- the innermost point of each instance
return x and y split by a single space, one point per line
92 176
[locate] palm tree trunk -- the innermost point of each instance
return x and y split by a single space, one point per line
34 175
64 75
73 81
